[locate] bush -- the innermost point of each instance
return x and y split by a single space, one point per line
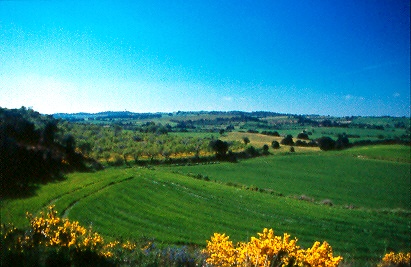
303 136
326 143
268 250
265 149
54 241
118 160
275 145
219 147
395 260
288 140
251 151
301 143
275 133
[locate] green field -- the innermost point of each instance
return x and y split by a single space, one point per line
375 177
173 208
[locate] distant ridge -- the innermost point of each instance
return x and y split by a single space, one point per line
123 114
105 115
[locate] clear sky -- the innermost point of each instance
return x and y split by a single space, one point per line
346 57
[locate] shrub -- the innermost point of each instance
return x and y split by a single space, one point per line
220 147
275 145
326 143
292 149
268 250
395 260
118 160
303 136
55 241
301 143
288 140
246 140
265 149
275 133
251 151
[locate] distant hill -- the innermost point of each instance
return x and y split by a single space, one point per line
105 115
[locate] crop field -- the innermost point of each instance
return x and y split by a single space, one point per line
176 179
170 207
349 177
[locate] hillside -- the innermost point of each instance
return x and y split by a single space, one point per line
165 181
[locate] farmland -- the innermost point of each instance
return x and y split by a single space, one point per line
357 199
172 208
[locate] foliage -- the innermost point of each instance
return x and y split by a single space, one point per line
104 144
265 149
326 143
220 147
288 140
246 140
54 241
33 151
60 240
268 250
396 260
303 135
275 144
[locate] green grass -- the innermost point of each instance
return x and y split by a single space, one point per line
60 194
345 177
131 203
395 153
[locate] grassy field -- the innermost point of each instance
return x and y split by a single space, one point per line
375 177
173 208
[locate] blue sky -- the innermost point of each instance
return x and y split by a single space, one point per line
301 57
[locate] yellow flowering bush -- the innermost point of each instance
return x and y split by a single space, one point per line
221 251
48 231
51 230
396 259
268 250
320 255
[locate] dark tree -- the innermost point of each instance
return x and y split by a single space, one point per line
275 145
85 148
70 144
303 136
219 147
117 130
288 140
326 143
292 150
246 140
301 143
251 151
265 149
230 128
342 141
49 132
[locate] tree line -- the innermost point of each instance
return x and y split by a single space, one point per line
33 151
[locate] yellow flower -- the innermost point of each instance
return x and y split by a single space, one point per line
392 258
268 250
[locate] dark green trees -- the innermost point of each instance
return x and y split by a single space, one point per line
275 145
219 147
288 140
